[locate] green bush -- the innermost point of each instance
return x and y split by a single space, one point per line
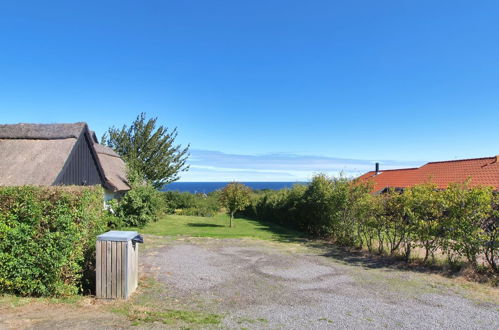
185 203
198 212
280 206
175 200
47 239
366 212
490 228
110 218
466 211
461 221
139 206
426 214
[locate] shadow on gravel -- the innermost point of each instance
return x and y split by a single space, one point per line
371 260
374 261
359 258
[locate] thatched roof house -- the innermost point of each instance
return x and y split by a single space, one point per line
58 154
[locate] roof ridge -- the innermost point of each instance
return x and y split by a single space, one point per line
461 160
75 123
399 169
28 131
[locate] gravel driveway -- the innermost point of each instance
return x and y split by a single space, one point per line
259 284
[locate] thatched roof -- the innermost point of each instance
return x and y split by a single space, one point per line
32 162
114 167
41 131
35 154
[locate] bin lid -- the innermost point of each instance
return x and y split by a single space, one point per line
117 236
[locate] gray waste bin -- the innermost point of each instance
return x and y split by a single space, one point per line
117 263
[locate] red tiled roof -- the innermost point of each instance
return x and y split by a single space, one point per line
480 171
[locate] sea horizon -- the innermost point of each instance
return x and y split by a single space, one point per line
205 187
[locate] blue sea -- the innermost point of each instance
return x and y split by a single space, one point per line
206 187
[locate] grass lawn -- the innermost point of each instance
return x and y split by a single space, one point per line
218 226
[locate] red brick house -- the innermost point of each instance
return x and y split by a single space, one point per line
480 171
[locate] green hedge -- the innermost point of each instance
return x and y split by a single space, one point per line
47 239
461 221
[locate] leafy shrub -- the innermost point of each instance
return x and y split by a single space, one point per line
366 212
461 221
319 207
47 238
185 203
466 210
425 207
139 206
280 206
490 228
198 212
175 200
110 218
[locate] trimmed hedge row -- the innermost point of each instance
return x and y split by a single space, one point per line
47 239
460 221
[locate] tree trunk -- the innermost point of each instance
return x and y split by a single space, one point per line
381 242
231 218
427 253
396 244
361 240
407 251
489 255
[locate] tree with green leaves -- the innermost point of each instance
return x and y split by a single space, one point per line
234 197
466 210
490 227
395 224
149 150
426 209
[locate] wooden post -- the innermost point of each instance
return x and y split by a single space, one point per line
108 269
114 262
119 272
98 269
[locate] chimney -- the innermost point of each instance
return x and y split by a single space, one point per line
377 168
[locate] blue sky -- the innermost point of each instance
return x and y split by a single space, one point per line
264 90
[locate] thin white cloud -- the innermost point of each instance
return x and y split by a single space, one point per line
209 165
